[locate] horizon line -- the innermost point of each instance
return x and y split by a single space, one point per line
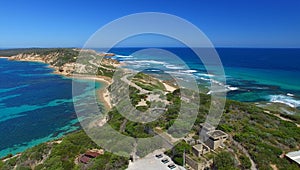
59 47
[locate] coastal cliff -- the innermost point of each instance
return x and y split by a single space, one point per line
64 61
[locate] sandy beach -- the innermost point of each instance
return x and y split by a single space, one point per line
168 87
103 93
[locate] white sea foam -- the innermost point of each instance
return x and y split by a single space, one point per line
217 82
178 73
231 88
173 67
290 94
151 62
223 88
124 56
145 62
205 79
154 70
188 71
287 100
205 75
136 63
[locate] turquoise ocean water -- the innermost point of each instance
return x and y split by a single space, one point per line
35 105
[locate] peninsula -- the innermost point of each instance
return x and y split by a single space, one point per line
248 137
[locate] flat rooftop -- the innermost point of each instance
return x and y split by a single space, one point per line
198 147
295 156
216 133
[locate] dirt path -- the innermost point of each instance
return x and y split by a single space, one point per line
253 165
123 126
125 79
282 118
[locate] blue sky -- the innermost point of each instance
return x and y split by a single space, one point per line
232 23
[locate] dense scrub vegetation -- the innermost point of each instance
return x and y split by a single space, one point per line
66 55
54 156
11 52
147 82
224 161
264 136
105 72
176 153
116 120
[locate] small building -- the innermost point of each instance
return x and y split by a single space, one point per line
92 154
200 149
216 139
84 159
210 139
196 163
204 129
294 156
87 156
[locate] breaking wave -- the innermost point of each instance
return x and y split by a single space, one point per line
287 100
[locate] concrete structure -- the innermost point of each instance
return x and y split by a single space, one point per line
294 156
216 139
199 164
204 129
212 138
190 141
200 149
151 162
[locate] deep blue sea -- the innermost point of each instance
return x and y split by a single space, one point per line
35 105
271 75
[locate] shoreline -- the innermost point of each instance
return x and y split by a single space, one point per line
102 93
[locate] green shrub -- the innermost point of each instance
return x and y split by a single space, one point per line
245 162
224 161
